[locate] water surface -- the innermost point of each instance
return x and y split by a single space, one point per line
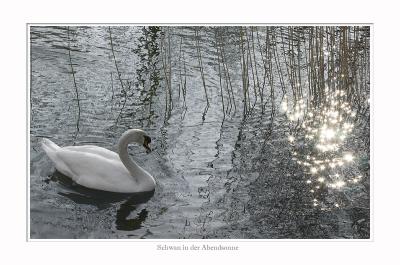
226 159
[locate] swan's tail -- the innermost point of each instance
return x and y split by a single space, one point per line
50 148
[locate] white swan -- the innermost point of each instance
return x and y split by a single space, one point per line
98 168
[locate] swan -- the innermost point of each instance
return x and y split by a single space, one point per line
101 169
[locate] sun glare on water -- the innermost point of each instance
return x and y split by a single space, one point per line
322 134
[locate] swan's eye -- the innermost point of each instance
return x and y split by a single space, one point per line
147 139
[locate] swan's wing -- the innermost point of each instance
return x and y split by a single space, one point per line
93 150
95 171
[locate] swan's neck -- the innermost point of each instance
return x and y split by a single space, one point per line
142 177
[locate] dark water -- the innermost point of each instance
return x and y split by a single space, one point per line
223 171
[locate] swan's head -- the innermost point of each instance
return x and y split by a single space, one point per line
138 136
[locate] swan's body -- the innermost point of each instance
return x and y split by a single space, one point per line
98 168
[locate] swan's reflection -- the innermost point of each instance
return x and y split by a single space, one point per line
104 199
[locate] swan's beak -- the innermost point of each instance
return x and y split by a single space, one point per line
148 149
146 142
